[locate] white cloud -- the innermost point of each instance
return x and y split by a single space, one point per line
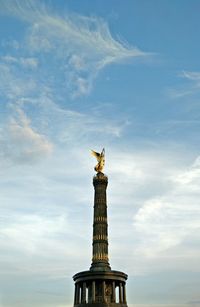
30 233
191 177
165 224
21 143
13 85
77 62
190 88
25 62
66 126
29 62
191 75
84 44
10 43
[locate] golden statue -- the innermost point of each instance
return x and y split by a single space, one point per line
101 160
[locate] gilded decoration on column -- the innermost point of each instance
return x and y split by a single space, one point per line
100 159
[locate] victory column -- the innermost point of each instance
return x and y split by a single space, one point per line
100 286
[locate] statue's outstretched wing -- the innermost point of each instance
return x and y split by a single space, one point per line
103 153
97 155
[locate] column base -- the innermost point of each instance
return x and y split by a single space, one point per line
100 266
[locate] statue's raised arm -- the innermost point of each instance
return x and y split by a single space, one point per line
101 160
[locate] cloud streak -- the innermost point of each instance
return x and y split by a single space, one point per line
85 44
24 62
192 87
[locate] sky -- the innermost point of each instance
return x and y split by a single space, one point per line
78 75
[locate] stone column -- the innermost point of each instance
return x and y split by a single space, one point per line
124 293
104 291
100 226
113 292
93 291
83 299
77 293
120 292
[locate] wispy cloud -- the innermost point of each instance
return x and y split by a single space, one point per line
20 143
64 125
24 62
191 75
13 84
85 44
191 87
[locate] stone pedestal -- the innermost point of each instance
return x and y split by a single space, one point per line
100 289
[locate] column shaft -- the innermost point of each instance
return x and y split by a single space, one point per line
124 293
104 291
93 292
120 292
100 226
77 294
113 292
83 299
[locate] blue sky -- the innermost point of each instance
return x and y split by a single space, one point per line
81 75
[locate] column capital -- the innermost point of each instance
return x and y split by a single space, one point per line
100 178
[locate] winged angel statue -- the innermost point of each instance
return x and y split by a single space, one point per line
101 160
